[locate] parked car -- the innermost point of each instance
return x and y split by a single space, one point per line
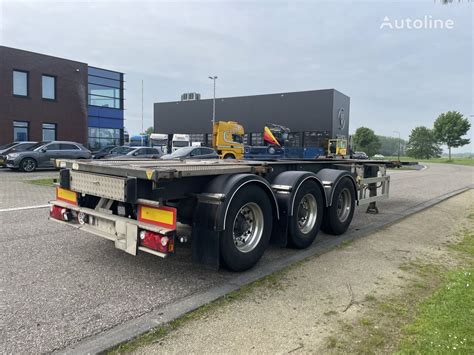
192 153
12 148
134 153
102 153
41 154
379 156
359 155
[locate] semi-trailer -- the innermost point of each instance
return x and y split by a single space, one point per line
235 207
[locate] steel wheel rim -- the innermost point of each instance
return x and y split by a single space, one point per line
28 165
307 213
344 205
248 227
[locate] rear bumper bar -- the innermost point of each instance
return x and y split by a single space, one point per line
122 231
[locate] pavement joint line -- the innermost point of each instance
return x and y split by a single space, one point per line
124 332
22 208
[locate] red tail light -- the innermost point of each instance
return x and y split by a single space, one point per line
57 212
156 241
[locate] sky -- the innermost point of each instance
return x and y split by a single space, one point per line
397 78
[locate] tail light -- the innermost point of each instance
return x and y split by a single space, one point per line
63 214
157 241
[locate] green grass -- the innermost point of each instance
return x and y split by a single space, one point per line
42 182
443 160
433 315
444 322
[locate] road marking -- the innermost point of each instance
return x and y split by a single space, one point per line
23 208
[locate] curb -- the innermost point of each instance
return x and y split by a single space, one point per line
137 326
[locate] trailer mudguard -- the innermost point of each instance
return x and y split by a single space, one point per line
286 186
211 212
330 178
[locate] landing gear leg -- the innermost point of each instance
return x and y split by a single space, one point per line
372 208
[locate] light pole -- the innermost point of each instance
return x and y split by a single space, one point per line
399 142
213 78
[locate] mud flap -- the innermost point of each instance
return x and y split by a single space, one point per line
205 236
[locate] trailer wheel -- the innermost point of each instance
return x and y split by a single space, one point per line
338 216
247 230
307 215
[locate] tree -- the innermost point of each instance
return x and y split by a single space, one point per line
422 144
450 127
365 140
149 131
389 145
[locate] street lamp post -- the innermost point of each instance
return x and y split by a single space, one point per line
213 78
399 143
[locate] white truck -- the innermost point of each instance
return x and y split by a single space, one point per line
180 141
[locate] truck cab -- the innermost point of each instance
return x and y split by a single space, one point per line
227 139
180 141
159 140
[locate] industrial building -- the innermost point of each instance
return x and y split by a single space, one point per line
48 98
313 116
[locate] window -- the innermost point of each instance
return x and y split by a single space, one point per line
105 88
102 137
103 101
151 151
64 146
49 131
20 83
54 146
49 87
20 131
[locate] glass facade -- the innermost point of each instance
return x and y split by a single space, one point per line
105 113
103 137
20 131
20 83
48 87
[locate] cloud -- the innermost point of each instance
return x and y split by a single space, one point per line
397 79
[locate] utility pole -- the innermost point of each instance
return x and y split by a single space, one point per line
142 108
399 144
213 78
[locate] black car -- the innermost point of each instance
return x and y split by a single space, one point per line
192 153
102 153
12 148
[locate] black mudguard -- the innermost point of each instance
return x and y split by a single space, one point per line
211 211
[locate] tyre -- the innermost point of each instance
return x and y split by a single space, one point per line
338 216
247 230
229 156
308 209
28 165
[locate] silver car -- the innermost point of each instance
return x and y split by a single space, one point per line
134 153
42 154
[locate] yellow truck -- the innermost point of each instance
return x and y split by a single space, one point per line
227 139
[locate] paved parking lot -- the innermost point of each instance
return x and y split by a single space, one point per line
60 285
14 192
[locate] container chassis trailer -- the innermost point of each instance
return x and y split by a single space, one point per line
235 207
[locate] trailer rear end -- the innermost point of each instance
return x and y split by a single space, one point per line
235 208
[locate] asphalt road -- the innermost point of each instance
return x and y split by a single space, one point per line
59 285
